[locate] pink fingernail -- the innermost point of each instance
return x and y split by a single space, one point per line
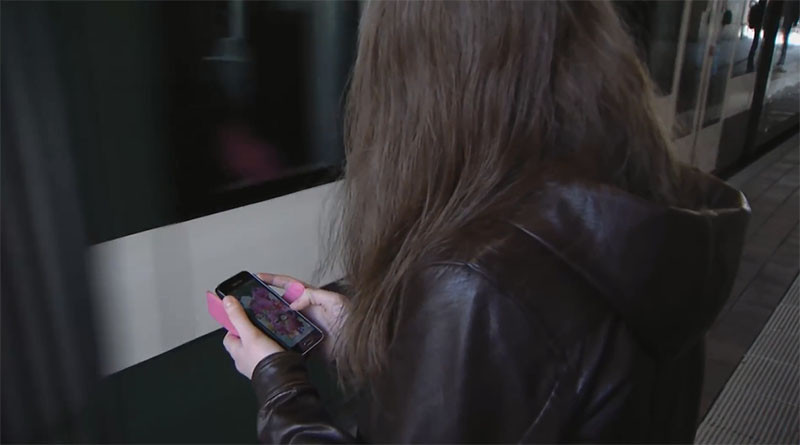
293 291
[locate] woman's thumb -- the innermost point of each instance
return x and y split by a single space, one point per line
293 292
237 316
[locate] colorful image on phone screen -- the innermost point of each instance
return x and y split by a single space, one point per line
272 313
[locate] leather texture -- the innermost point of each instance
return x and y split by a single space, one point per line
579 320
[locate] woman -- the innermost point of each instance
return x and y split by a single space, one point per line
527 261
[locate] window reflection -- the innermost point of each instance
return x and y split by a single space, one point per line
751 34
691 69
181 109
725 44
655 27
782 98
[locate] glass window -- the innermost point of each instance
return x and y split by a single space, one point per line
782 98
655 27
689 85
726 43
181 109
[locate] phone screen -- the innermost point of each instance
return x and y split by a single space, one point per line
266 308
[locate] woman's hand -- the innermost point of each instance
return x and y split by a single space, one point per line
324 308
252 345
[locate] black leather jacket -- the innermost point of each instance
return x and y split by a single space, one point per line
581 320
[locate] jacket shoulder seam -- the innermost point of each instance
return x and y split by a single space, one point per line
477 270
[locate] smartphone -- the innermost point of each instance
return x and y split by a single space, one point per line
271 313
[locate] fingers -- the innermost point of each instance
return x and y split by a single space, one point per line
280 280
239 318
315 297
303 301
232 344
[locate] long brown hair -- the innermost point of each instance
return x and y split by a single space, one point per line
454 110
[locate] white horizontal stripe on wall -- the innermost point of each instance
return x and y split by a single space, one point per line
149 287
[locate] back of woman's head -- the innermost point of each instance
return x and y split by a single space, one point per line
456 110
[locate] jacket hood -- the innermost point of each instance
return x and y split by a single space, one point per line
667 271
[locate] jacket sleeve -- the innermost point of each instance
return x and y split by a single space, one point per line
291 410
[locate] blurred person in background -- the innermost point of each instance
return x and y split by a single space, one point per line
755 21
526 260
790 13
